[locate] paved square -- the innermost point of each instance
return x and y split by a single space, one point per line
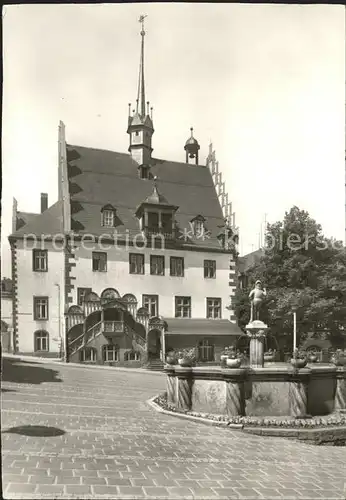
98 438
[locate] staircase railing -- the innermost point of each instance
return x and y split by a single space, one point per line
76 344
93 331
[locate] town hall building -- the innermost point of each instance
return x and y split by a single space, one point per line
136 258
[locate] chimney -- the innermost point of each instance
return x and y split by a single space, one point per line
44 202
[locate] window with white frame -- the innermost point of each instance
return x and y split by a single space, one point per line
99 261
110 353
198 227
40 260
177 266
210 268
151 304
40 308
132 356
88 354
183 307
108 217
136 263
41 341
157 265
213 308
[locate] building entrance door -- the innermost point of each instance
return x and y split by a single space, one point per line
154 344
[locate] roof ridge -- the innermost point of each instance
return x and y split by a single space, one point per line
97 149
180 163
160 160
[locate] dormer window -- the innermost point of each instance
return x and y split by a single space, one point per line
108 216
198 225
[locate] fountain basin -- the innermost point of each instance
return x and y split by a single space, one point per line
272 390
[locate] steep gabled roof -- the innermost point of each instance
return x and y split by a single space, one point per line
99 176
247 261
47 223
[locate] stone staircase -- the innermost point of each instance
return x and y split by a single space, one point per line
155 365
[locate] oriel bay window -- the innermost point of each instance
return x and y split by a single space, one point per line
183 307
136 262
213 308
151 303
99 261
157 265
40 308
177 266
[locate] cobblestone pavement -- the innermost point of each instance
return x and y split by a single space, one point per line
112 444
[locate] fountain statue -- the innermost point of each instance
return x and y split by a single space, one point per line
256 329
257 297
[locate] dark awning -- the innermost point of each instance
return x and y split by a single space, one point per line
186 326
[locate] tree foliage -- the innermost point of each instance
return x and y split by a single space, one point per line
303 271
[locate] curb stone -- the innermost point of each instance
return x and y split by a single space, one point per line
206 421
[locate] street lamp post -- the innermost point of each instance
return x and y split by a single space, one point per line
294 329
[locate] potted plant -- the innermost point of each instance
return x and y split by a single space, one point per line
269 356
339 358
299 359
233 360
224 356
171 358
312 356
187 357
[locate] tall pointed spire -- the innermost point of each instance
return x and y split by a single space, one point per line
141 84
140 125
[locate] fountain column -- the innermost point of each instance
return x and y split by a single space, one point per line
184 387
257 331
171 384
340 393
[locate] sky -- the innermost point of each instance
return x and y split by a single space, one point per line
265 83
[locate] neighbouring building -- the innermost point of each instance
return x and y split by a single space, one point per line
245 263
137 256
6 315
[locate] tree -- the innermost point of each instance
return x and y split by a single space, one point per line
303 271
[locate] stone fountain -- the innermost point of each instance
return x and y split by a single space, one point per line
277 389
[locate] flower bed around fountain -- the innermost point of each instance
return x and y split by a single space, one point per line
325 430
276 396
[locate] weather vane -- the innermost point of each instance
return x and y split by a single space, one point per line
141 20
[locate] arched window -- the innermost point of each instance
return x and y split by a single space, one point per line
88 354
41 341
110 353
132 356
205 351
